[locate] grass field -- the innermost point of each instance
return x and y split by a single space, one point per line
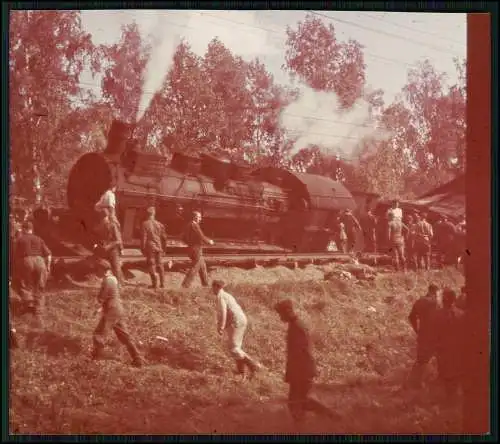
363 346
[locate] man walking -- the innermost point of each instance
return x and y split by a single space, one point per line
195 239
422 319
232 319
112 314
153 243
300 366
449 331
33 259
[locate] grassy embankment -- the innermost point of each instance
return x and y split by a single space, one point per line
363 345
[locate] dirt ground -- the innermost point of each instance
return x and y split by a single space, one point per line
362 341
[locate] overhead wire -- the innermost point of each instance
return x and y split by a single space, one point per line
381 32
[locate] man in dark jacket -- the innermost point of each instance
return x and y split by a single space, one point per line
153 242
300 366
449 330
422 319
195 239
34 260
112 314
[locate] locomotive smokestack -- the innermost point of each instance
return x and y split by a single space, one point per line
119 134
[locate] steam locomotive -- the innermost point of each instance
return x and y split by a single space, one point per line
266 207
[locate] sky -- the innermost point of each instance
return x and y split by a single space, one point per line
392 41
410 36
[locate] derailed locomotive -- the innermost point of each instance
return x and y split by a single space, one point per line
240 205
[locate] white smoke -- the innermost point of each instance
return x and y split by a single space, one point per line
163 45
316 118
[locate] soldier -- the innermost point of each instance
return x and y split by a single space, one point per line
352 226
153 242
422 320
111 245
33 259
112 314
423 241
107 204
342 238
396 240
195 239
300 366
449 329
410 242
232 320
371 232
448 241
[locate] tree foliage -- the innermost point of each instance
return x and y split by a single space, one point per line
219 103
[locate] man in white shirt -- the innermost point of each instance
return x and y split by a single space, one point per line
232 319
107 203
396 211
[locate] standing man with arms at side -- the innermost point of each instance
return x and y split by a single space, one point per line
422 319
300 366
232 319
111 244
423 241
195 239
396 236
153 243
33 259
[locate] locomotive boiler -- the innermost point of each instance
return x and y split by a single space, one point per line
244 206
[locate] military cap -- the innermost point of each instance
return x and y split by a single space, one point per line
218 283
284 306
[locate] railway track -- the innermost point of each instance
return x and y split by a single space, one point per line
232 259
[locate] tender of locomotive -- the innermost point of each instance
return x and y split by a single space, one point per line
241 206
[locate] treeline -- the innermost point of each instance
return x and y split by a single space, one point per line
220 104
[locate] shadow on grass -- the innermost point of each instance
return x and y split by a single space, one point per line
176 354
53 343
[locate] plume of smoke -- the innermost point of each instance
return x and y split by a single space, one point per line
316 118
163 46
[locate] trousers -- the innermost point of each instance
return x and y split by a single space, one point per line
198 265
113 320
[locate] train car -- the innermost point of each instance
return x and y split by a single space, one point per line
240 205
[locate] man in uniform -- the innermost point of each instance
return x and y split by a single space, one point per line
107 204
300 366
112 314
410 242
111 245
396 235
371 232
352 226
33 259
422 319
448 242
395 210
195 239
423 241
449 328
153 243
232 319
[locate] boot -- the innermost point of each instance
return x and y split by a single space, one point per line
240 366
253 365
154 281
138 362
162 276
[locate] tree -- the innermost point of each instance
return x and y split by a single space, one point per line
316 57
48 51
267 143
125 64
